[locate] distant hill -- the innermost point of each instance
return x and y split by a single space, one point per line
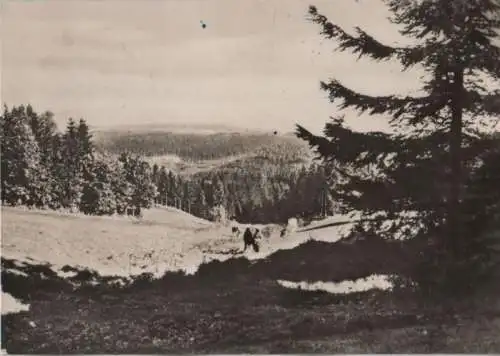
192 151
200 128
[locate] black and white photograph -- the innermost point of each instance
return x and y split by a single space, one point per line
250 176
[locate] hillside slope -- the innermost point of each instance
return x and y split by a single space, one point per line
245 304
184 151
166 239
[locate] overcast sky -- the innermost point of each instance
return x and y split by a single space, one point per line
257 64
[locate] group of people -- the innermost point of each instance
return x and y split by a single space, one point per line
249 237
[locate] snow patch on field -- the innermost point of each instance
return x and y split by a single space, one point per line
67 274
12 305
16 272
345 287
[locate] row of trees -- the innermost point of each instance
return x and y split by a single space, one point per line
433 177
263 195
43 167
269 194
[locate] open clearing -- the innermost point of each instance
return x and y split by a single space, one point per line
224 301
166 239
184 167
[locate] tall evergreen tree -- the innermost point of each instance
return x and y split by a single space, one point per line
423 166
200 207
72 176
155 174
23 177
172 189
219 193
58 172
162 186
85 149
138 175
98 196
178 192
121 184
46 134
187 195
44 129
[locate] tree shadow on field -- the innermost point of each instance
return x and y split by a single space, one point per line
310 261
224 304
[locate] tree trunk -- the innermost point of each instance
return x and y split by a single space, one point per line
454 199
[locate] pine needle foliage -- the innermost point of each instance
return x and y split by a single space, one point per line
427 176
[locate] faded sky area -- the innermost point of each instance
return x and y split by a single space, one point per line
256 65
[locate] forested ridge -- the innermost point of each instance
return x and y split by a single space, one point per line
47 168
196 147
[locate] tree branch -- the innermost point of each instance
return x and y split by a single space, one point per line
372 104
364 44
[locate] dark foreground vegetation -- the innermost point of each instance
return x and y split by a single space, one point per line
237 306
440 158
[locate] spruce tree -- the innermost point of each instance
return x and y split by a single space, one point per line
219 191
155 174
162 186
98 196
58 172
44 129
23 178
86 149
187 196
171 189
179 186
422 166
141 190
72 177
200 202
120 184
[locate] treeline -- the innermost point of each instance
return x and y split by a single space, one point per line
196 147
43 167
269 194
